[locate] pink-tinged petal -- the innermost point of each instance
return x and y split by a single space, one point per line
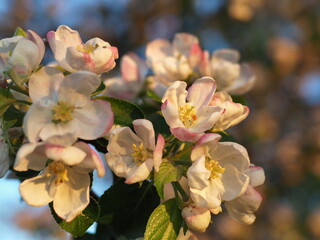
256 174
64 140
44 83
82 82
201 92
53 129
115 52
205 69
176 93
242 208
196 218
34 37
244 82
34 191
183 43
38 116
144 130
195 55
184 134
158 50
72 197
204 145
29 158
95 119
91 161
207 116
139 172
235 182
60 40
231 153
68 154
129 68
121 141
229 55
157 153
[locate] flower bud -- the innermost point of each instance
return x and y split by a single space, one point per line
196 218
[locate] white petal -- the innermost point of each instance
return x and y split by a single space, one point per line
144 130
95 119
157 50
201 92
256 174
206 143
53 129
29 158
72 197
227 54
235 182
34 37
44 83
140 172
34 191
37 117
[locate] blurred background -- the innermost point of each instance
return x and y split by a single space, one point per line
280 39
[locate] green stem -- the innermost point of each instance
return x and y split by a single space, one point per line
171 147
177 188
21 89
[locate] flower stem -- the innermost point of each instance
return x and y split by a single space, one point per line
177 188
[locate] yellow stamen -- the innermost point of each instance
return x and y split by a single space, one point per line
140 153
214 167
59 171
87 48
187 115
62 112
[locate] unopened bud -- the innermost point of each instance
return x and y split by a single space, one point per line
196 218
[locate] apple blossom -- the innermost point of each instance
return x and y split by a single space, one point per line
62 105
231 76
73 55
243 207
218 171
196 218
129 84
64 177
176 61
233 114
132 156
20 56
188 120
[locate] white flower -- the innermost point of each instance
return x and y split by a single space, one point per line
188 120
243 207
64 180
4 154
233 113
196 218
62 105
231 77
176 61
218 171
129 84
20 56
132 156
73 55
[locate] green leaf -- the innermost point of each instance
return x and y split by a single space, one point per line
165 222
151 94
78 226
6 99
20 32
240 99
167 173
124 112
159 125
127 207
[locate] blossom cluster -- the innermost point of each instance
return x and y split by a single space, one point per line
66 105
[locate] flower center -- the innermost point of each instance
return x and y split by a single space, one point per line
214 167
140 153
86 48
59 171
187 115
62 112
